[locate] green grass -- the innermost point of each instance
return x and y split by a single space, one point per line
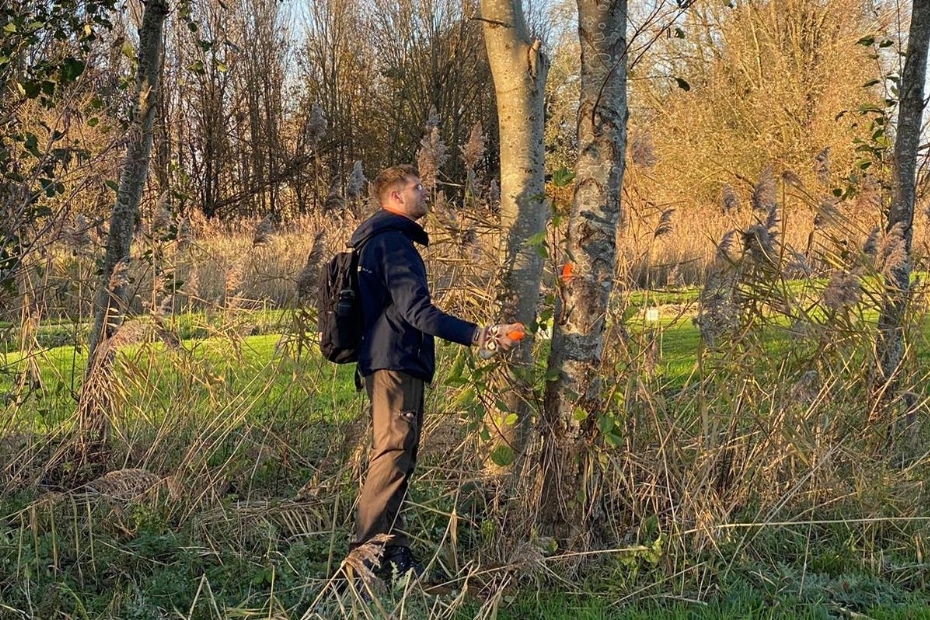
252 429
249 368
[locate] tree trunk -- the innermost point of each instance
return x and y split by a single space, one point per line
890 341
573 401
112 292
519 70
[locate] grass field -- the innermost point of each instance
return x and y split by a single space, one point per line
235 454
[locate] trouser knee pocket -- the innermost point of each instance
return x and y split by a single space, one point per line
406 429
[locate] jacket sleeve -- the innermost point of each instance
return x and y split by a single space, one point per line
405 278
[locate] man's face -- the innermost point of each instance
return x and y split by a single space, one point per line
413 197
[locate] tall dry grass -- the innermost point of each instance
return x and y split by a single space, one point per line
769 450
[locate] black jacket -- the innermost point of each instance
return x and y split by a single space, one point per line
399 319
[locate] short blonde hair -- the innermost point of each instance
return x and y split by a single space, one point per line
390 178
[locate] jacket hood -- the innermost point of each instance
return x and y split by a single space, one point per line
385 220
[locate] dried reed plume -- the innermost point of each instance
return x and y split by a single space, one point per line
771 218
308 276
430 158
165 306
445 215
472 187
728 199
723 251
361 561
870 247
827 212
120 276
357 184
791 178
664 226
185 233
263 230
642 152
161 218
842 291
822 166
892 253
473 150
334 200
315 127
763 192
78 236
759 245
432 120
798 266
232 283
718 314
191 286
870 194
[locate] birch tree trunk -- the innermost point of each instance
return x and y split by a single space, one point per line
112 293
519 69
573 401
890 340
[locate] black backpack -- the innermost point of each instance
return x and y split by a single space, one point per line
339 309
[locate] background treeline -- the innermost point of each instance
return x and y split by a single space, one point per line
278 110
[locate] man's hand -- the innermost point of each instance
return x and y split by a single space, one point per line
496 338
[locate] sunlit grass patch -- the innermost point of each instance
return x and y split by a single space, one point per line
153 377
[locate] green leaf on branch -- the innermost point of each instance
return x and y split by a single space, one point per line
562 177
31 144
537 239
71 69
30 89
502 456
612 439
683 84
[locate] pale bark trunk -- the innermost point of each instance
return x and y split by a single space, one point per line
112 293
574 400
890 343
519 70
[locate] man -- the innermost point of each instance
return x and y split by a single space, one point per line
397 354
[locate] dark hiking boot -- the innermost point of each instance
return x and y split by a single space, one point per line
397 561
